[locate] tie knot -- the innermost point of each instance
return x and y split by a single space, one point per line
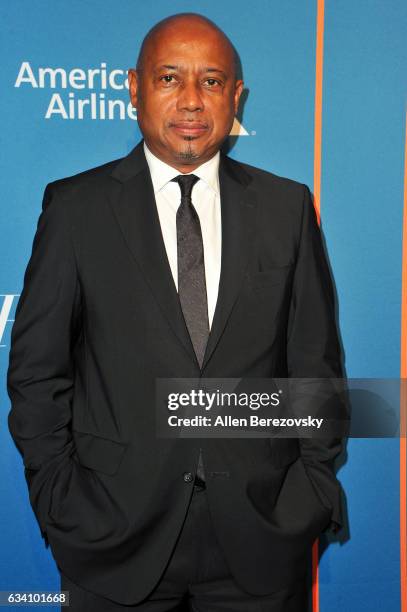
186 182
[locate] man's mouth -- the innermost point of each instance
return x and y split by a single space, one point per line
189 128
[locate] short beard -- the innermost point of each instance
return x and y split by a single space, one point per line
188 155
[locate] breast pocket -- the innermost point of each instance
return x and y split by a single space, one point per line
258 281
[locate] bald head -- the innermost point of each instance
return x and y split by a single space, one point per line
191 25
185 90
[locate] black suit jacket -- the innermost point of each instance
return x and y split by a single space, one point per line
99 320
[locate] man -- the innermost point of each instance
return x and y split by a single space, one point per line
174 261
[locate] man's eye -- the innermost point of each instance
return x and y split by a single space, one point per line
212 82
167 78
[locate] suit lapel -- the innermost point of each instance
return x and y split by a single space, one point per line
133 203
238 212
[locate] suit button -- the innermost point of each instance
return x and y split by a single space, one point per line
188 477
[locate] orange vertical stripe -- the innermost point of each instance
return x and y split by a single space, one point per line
315 576
319 65
403 399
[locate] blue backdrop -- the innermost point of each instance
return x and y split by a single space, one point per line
48 47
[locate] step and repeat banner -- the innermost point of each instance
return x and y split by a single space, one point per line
333 71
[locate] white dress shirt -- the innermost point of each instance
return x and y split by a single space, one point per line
206 200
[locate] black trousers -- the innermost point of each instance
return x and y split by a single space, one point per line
196 579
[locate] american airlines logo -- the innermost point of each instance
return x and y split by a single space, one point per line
91 93
7 302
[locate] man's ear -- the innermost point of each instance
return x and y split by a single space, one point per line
239 86
133 78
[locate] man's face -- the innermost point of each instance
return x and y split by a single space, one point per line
186 93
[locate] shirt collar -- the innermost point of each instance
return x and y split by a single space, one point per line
162 173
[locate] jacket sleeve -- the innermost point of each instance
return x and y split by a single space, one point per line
40 374
314 360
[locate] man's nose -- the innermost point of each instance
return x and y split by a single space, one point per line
190 97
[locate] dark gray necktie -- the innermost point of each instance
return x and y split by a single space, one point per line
191 268
191 274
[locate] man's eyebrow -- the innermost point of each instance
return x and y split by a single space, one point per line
210 69
167 67
218 70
